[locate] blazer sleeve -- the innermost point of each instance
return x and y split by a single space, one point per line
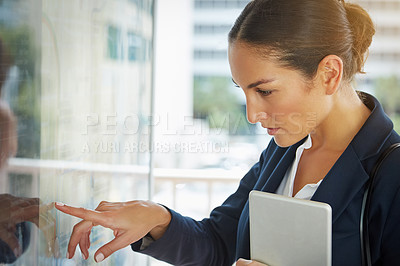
211 241
391 235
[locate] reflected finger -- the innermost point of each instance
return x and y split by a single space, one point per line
48 228
46 207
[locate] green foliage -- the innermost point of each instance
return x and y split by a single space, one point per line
20 46
387 90
396 122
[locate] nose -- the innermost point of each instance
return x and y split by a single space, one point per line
250 112
254 114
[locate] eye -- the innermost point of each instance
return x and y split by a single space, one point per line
264 93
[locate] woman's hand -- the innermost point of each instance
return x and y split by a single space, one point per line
243 262
130 221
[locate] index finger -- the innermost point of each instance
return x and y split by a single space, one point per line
88 215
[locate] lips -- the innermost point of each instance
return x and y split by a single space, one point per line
272 131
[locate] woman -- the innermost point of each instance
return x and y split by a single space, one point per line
294 60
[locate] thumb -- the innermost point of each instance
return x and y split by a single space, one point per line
112 246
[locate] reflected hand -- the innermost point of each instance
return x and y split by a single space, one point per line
243 262
15 210
8 131
130 221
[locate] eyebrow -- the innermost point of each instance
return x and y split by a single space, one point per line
262 81
255 84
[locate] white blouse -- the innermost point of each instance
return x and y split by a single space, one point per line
286 186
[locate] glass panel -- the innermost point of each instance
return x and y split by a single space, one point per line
76 101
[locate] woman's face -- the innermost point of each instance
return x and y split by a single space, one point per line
281 99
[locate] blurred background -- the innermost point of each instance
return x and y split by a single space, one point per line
133 99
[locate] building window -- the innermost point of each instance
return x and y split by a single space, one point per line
380 5
134 47
211 29
210 54
114 41
392 30
221 3
384 56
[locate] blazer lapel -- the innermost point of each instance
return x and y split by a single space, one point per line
272 176
346 178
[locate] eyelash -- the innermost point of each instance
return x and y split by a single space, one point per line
264 93
261 92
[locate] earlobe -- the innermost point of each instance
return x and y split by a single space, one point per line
331 72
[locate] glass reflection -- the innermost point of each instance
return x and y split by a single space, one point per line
75 112
20 210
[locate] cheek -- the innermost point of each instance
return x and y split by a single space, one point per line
291 111
303 117
296 117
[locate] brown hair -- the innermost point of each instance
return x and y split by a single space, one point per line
300 33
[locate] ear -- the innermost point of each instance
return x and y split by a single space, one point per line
330 73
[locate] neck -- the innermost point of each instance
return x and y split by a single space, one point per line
348 114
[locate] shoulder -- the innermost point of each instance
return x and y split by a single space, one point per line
387 179
389 170
391 150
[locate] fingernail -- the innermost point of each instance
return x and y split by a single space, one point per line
83 256
99 257
67 255
60 204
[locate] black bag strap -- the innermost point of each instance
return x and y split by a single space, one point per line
364 232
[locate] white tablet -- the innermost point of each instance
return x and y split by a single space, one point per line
287 231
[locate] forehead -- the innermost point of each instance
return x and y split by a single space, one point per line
246 61
249 64
240 51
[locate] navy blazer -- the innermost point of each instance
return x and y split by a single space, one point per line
224 237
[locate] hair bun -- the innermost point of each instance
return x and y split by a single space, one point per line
362 30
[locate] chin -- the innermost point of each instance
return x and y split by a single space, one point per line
285 141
